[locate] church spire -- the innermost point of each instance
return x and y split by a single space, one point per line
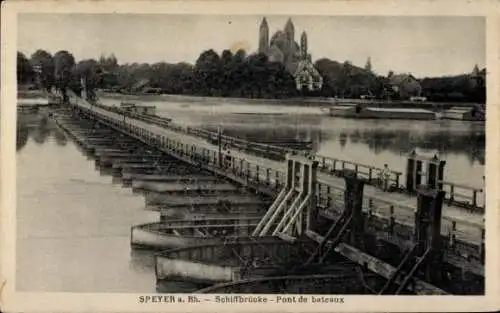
368 65
303 44
263 23
263 36
290 29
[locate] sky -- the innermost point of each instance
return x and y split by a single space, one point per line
423 46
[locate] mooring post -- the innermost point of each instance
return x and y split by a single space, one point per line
428 231
353 199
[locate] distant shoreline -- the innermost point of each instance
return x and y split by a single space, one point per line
304 102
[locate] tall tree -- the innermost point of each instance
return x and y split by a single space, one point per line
63 66
108 64
24 69
45 62
90 72
208 73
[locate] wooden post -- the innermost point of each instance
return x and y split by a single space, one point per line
268 176
411 171
453 234
219 143
310 220
440 174
481 246
392 220
474 198
329 201
257 170
353 198
428 231
431 175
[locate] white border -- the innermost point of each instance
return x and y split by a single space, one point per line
71 302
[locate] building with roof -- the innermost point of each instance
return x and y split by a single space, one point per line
281 47
404 86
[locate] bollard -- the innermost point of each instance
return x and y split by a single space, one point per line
353 199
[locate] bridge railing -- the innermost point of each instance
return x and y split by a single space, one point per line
331 196
464 194
272 151
260 175
461 194
394 215
368 172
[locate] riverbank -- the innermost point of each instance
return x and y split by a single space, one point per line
305 102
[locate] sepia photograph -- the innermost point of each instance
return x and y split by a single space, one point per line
242 155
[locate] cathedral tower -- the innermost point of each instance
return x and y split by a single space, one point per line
290 30
303 45
263 36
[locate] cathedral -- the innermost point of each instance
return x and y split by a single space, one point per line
283 48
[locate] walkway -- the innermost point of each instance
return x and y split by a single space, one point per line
403 205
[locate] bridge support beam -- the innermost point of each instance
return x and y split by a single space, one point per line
350 222
295 207
426 255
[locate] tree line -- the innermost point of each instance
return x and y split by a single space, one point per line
226 75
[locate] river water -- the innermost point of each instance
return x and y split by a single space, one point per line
73 225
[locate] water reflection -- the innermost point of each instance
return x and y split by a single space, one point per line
471 144
469 141
39 128
73 225
372 142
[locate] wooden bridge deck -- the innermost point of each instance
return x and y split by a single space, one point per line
403 204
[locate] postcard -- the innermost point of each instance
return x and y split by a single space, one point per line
250 156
